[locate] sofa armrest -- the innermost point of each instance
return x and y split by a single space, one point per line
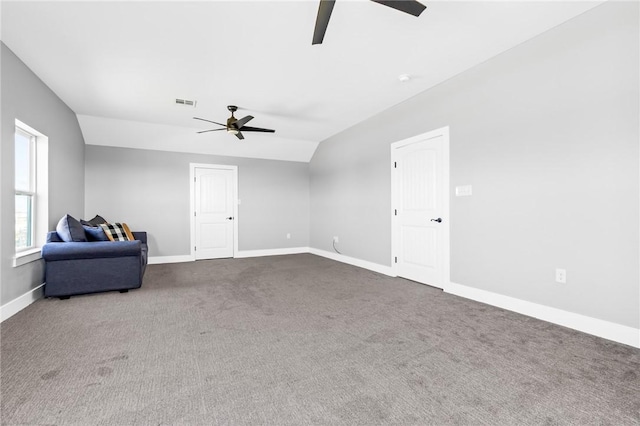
140 236
90 250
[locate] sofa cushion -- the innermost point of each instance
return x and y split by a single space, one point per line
117 231
95 233
96 221
69 229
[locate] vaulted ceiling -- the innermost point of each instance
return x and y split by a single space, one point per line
120 65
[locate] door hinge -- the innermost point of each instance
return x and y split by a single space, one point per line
395 165
194 178
396 259
396 212
195 248
194 213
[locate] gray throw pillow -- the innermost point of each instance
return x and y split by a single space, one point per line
95 233
69 229
96 221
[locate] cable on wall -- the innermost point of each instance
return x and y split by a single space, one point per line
334 247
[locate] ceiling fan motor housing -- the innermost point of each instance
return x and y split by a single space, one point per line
232 119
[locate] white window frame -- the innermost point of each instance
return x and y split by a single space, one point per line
40 193
31 191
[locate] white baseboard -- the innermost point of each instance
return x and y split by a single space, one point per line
11 308
608 330
271 252
156 260
375 267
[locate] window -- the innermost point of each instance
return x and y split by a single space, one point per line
31 193
25 183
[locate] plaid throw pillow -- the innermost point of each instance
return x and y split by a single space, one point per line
117 231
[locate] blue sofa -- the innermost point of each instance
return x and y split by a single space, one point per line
73 268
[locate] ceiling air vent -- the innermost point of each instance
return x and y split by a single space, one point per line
186 102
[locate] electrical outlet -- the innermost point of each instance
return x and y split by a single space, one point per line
561 275
288 236
464 191
335 240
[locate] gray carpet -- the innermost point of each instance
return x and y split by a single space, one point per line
302 340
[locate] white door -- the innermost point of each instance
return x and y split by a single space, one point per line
420 211
214 213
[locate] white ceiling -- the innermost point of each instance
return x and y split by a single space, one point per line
120 65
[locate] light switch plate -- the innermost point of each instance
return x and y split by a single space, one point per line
463 191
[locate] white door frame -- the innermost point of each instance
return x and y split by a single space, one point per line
395 238
192 202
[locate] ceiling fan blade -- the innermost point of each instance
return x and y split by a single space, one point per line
256 129
209 121
239 135
212 130
412 7
324 13
243 121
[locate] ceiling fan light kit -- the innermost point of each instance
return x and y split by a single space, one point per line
235 126
411 7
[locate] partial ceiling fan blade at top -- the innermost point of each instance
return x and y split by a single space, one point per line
257 129
412 7
322 20
243 121
209 121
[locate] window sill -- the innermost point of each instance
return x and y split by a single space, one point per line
27 256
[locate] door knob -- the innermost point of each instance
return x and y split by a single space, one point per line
437 220
230 218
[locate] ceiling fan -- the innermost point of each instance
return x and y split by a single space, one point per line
235 126
411 7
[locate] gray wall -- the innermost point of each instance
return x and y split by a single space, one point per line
547 133
149 190
27 98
